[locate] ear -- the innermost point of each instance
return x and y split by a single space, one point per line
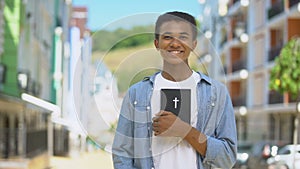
194 44
156 44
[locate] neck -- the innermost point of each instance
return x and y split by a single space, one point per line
177 72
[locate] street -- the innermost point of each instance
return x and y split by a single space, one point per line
89 160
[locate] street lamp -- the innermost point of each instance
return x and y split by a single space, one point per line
208 34
296 124
298 107
243 110
23 80
244 74
242 119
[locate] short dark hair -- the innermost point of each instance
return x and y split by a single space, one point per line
176 16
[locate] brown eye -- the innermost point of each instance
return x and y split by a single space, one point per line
183 37
167 37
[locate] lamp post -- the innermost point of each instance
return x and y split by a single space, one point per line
296 124
243 113
298 106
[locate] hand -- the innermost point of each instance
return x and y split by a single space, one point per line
167 124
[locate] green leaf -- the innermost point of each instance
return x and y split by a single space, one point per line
285 75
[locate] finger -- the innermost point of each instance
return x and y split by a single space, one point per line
155 124
165 113
159 113
156 118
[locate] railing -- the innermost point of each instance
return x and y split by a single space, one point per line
292 99
223 70
235 1
19 143
36 142
274 52
61 142
223 41
9 143
239 29
238 65
239 101
276 9
293 2
275 97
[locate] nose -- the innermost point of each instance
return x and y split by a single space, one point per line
175 43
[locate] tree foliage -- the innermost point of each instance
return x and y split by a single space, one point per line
105 40
285 75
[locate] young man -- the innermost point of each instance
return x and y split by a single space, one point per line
149 136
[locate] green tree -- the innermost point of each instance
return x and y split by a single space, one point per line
285 75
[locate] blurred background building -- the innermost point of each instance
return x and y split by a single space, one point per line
45 53
246 37
34 38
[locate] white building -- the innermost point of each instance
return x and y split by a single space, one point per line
247 39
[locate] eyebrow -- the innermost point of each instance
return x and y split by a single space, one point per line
182 33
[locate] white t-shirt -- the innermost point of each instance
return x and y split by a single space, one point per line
173 152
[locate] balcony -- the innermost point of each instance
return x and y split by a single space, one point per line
11 146
275 97
293 2
239 65
223 41
238 101
223 70
276 9
235 1
274 52
240 28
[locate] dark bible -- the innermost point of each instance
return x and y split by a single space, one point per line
177 101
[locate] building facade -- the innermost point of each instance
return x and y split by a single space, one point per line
28 54
247 37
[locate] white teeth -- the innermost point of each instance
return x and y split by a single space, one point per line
175 52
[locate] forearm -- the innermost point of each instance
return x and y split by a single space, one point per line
197 140
221 152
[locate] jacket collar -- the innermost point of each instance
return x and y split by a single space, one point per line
202 77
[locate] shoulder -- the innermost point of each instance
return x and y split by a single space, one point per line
216 86
144 84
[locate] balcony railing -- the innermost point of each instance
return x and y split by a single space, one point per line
223 70
36 142
235 1
239 29
19 143
223 41
276 9
274 52
239 101
293 2
275 97
238 65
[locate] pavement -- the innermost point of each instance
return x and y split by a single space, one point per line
97 159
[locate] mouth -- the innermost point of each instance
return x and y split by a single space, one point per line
174 52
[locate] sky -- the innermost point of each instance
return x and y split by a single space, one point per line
111 14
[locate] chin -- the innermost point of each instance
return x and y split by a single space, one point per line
174 61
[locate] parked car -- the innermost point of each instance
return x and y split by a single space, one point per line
287 155
261 151
243 152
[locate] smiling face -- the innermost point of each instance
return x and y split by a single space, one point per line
175 42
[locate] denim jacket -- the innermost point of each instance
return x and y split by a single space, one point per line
132 143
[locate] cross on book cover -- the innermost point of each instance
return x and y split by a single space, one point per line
177 101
